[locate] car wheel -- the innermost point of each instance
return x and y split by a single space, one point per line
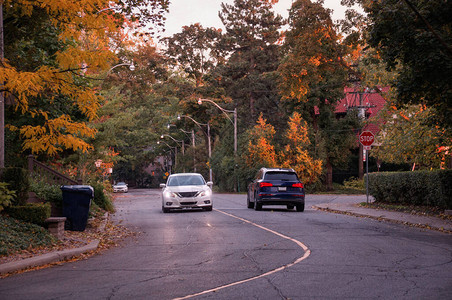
300 207
249 203
290 206
208 208
165 210
257 205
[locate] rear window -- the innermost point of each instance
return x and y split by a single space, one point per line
283 176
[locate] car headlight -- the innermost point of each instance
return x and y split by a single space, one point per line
169 194
206 193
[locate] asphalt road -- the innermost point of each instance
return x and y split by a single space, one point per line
238 253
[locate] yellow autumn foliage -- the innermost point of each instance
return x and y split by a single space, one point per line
294 154
260 150
87 32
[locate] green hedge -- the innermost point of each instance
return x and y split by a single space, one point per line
47 192
18 181
428 188
35 213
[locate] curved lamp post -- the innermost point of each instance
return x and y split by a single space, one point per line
182 143
171 149
192 133
131 67
225 111
179 117
234 123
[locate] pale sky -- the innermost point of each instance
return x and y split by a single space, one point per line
205 12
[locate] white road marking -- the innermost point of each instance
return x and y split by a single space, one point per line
306 250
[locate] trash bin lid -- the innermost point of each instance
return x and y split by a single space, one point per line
81 189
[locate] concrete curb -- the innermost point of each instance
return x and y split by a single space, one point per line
389 216
47 258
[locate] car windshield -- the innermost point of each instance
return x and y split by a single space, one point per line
283 176
186 180
121 183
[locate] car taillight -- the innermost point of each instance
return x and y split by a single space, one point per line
298 185
264 184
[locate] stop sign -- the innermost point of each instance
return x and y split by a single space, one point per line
366 138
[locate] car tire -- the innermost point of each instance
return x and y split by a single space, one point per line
257 206
248 202
300 207
165 210
290 207
209 208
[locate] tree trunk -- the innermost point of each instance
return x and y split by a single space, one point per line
329 176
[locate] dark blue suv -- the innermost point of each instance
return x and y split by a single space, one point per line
276 186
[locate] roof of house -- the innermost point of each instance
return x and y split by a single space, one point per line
371 100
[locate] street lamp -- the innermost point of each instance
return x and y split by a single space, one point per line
234 123
225 111
177 141
171 149
131 67
192 133
179 117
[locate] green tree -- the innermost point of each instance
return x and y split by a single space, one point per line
407 137
251 41
194 49
414 38
313 75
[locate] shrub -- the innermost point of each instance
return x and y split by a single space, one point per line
47 192
354 183
101 197
429 188
16 235
18 181
35 213
6 196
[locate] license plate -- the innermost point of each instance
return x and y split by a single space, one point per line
282 188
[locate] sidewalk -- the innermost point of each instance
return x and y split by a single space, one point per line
427 222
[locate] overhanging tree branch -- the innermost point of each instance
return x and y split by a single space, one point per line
413 8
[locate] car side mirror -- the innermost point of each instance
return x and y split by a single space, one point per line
162 185
209 183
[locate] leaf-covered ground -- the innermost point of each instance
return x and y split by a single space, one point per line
100 228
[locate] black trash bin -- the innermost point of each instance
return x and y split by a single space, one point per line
76 203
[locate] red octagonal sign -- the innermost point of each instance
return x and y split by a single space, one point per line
366 138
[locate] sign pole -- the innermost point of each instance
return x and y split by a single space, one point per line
366 139
367 176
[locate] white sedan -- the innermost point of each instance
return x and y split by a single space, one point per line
120 187
186 190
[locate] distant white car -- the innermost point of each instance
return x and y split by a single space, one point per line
186 190
120 187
